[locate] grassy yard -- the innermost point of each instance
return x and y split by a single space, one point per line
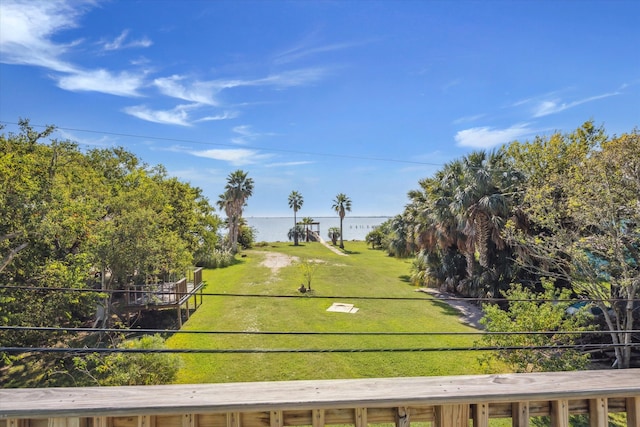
364 272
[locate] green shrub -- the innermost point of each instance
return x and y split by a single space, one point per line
129 368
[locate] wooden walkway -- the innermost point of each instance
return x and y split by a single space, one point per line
168 295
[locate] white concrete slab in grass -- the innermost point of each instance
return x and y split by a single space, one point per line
341 307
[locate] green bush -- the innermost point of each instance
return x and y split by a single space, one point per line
129 368
219 258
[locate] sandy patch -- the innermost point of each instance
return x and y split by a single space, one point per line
275 261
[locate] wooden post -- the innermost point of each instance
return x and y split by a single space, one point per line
481 415
190 420
598 412
179 316
233 419
318 418
276 419
451 416
560 413
520 414
402 417
145 421
361 417
633 411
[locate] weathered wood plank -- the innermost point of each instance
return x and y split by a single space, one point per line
452 416
318 418
560 413
309 395
481 414
633 411
361 417
598 412
520 414
276 419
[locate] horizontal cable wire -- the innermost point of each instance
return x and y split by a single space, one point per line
354 297
319 333
219 144
86 350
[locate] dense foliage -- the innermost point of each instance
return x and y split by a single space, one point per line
564 207
95 220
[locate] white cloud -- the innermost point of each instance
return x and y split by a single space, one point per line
544 108
235 156
303 50
26 28
180 115
176 116
487 137
292 78
468 119
119 42
121 84
281 164
200 92
246 135
224 116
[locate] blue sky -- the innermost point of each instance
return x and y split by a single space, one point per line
323 97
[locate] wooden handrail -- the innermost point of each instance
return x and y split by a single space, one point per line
444 401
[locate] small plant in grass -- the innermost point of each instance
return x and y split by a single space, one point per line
308 268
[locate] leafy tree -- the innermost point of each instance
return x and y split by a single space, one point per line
334 234
237 190
584 223
530 312
295 203
375 238
342 205
296 233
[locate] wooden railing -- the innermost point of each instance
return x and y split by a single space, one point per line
441 401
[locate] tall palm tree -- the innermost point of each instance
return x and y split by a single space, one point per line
295 203
237 190
341 205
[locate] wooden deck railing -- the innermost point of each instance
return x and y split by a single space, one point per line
442 401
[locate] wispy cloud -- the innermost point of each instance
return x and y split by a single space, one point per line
26 28
247 135
468 119
547 107
176 116
285 164
487 137
196 91
121 42
234 156
226 115
306 48
122 84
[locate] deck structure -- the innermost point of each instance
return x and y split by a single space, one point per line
453 401
167 295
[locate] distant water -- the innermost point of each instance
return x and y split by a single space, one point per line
275 229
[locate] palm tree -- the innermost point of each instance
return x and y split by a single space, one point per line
237 190
295 203
341 205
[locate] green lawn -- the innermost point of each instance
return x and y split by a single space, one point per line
364 272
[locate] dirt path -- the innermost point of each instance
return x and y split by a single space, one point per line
470 314
330 247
